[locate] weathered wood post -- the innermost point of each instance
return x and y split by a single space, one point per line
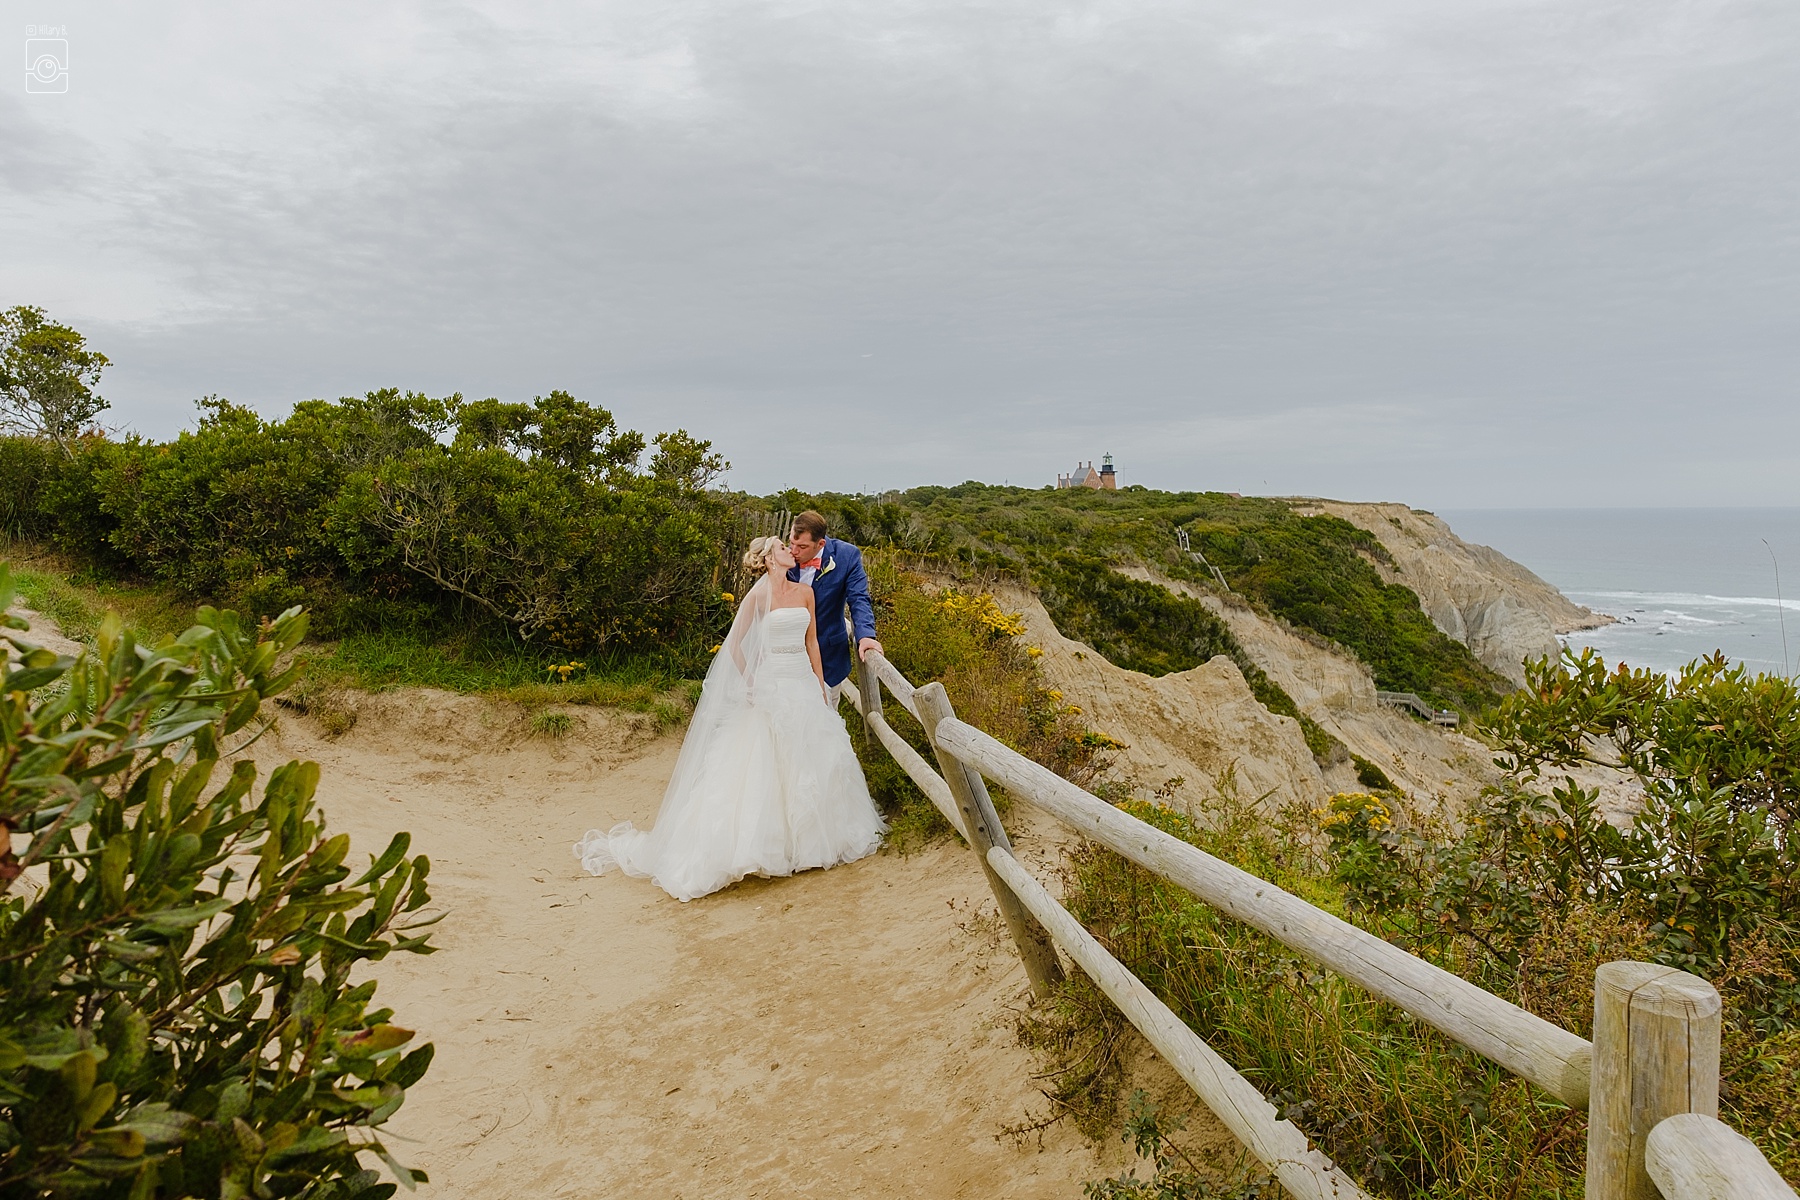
1656 1054
984 831
868 685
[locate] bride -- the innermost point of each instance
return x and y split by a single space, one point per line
767 783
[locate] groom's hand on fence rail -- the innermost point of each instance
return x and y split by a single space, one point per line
865 646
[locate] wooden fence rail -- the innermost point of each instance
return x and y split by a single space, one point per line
1649 1080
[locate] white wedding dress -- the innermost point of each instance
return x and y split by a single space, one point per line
767 782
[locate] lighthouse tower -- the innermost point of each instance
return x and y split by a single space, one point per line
1084 476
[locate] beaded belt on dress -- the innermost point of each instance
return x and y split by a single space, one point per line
787 649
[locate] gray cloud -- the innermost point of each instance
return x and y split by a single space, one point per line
1491 253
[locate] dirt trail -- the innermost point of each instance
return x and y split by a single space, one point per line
840 1033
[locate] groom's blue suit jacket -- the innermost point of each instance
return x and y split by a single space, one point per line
839 583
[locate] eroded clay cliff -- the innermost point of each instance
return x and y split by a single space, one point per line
1440 768
1502 612
1205 727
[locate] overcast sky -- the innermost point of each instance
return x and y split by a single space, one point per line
1463 254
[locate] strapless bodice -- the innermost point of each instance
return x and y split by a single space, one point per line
786 630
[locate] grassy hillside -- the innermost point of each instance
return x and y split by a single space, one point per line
1318 573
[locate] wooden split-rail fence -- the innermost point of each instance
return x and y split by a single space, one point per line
1649 1080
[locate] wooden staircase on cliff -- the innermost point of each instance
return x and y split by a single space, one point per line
1417 704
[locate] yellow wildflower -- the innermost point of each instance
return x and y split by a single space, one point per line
982 611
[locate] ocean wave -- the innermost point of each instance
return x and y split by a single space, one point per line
1667 600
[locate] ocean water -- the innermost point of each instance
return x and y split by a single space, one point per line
1683 581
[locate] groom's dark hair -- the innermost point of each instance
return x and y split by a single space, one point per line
812 523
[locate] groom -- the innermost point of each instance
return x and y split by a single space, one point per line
834 571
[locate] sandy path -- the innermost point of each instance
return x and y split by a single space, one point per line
838 1033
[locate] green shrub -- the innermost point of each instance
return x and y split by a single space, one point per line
542 523
176 1011
1370 775
26 467
1692 884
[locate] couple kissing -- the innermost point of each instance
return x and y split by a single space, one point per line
767 782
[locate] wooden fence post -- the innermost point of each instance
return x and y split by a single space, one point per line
982 826
868 684
1656 1054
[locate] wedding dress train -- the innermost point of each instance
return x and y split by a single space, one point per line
767 782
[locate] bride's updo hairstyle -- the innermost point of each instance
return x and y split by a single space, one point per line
756 558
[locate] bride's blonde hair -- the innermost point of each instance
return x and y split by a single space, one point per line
756 558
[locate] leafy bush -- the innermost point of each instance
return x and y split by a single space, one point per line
25 463
533 522
1691 883
1712 728
176 1012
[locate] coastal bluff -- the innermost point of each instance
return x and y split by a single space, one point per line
1501 611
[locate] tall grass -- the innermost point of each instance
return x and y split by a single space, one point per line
77 601
474 662
1403 1109
394 658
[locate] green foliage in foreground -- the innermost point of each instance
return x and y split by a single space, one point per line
1527 898
1712 862
176 1012
1712 729
1317 573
